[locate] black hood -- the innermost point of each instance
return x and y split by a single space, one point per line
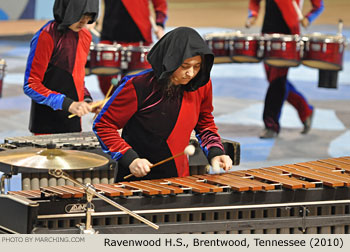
173 48
68 12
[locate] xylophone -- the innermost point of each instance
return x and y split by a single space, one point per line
87 141
309 197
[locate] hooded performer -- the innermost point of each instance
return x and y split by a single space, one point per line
128 23
159 108
54 76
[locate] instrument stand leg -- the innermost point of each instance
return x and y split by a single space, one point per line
87 228
2 182
303 213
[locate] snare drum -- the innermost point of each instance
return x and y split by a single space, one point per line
282 50
324 52
105 59
2 73
222 45
247 48
134 59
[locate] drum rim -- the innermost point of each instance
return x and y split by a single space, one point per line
253 36
327 38
282 37
217 35
236 36
138 48
105 47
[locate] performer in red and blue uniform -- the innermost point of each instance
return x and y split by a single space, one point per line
282 17
127 22
159 108
54 76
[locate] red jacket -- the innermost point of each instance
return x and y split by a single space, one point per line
154 127
141 15
54 78
289 13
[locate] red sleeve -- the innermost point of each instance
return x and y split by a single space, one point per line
113 117
39 64
141 15
41 49
161 9
82 52
254 6
317 9
206 129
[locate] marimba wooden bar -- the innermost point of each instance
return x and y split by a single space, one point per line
309 197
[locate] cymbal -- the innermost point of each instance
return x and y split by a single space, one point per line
52 158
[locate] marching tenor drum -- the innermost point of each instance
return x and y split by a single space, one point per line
104 59
324 51
221 43
247 48
135 59
283 50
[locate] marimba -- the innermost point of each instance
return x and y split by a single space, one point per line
309 197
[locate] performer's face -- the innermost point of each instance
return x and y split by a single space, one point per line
187 71
81 23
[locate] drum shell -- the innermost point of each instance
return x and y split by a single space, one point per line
105 59
283 51
247 49
221 47
135 59
327 78
322 54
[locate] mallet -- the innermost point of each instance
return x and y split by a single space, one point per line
189 150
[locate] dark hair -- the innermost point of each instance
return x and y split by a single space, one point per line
171 91
90 14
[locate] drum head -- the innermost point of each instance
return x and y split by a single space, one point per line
245 59
321 65
105 70
223 59
282 62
